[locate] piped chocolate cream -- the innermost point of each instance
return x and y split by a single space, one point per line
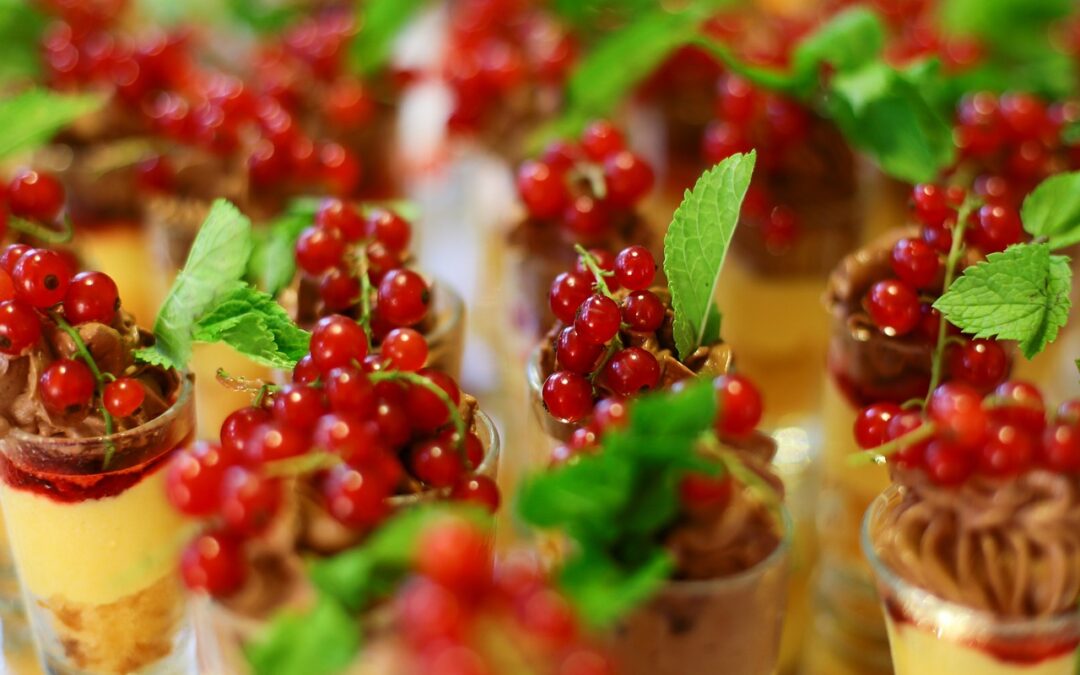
113 348
1010 547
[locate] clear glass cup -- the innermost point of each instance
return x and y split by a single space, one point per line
730 625
96 551
224 629
930 636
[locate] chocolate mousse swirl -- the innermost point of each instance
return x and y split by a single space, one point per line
1009 547
113 348
713 543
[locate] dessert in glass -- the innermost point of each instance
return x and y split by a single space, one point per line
88 431
974 545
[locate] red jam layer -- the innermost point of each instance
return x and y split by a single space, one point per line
1029 652
73 488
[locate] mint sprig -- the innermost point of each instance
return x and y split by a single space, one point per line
1052 210
254 324
696 244
616 504
34 116
321 641
380 22
21 26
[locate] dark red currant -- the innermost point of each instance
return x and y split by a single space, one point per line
92 296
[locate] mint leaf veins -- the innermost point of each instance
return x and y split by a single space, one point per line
1052 210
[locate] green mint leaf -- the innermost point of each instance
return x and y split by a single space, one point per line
322 641
255 325
888 114
1012 27
215 265
380 23
273 261
1052 210
696 244
603 591
364 574
33 117
1019 294
21 26
846 42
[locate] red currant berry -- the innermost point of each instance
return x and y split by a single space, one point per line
479 490
568 292
430 614
193 479
568 396
336 215
273 441
939 237
547 615
997 228
474 447
389 229
635 268
948 465
916 263
1024 115
66 385
299 406
722 140
214 563
1009 451
738 405
598 319
1069 411
20 327
123 396
586 218
957 410
631 371
318 249
249 501
340 169
601 139
910 455
426 410
356 498
543 189
1061 447
738 100
627 178
576 354
338 289
701 492
405 349
7 287
42 277
337 342
1019 403
610 413
980 363
605 261
931 204
35 195
436 463
350 391
11 255
92 296
643 312
893 307
356 440
305 371
237 429
393 423
456 555
404 297
872 424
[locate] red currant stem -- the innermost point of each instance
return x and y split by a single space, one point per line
912 403
119 155
360 269
45 234
955 251
594 176
244 384
589 260
311 462
877 455
740 472
769 78
612 347
421 381
99 380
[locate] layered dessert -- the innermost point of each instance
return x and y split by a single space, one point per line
974 545
87 432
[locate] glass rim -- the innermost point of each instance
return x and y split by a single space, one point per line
187 390
455 304
967 620
490 434
774 559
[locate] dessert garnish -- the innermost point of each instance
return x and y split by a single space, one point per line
676 485
617 330
360 427
424 594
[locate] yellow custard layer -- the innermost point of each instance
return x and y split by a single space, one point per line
916 651
95 551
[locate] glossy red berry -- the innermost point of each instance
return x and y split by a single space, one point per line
357 440
349 390
319 249
123 396
298 406
931 204
543 189
635 268
576 354
598 319
356 497
738 405
586 218
601 139
627 177
338 289
11 255
273 441
305 371
214 563
893 307
643 312
7 287
405 348
1068 411
92 296
568 292
193 479
568 396
997 227
436 463
948 465
701 492
916 263
404 297
479 490
872 424
237 429
42 277
426 410
1008 451
1060 450
335 214
958 411
20 327
980 363
631 371
455 554
66 385
35 195
336 342
389 229
249 501
911 454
